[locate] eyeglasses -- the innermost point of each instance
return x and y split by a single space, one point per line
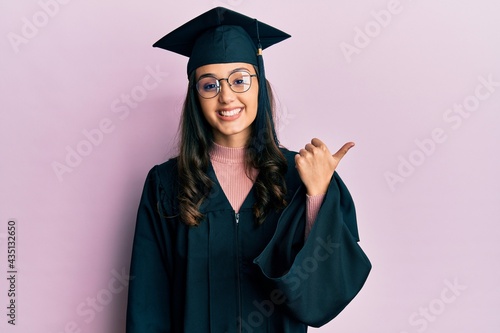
209 86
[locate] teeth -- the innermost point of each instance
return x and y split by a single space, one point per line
230 113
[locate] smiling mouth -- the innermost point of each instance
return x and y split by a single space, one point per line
230 113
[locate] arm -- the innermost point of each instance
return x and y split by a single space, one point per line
148 309
316 167
313 204
320 276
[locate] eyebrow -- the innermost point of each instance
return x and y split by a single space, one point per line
231 72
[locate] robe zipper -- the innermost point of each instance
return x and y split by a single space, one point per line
237 218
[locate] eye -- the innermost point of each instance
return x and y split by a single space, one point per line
239 81
240 78
207 84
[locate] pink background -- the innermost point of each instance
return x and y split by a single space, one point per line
432 234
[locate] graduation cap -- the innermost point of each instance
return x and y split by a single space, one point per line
221 35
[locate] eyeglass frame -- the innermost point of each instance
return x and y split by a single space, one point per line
219 85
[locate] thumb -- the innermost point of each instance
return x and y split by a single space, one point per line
342 151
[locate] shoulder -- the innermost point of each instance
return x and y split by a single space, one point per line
167 170
162 185
163 175
289 155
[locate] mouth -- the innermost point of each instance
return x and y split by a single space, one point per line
229 113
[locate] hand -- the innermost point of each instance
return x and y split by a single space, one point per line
316 165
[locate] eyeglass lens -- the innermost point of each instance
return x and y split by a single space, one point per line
209 86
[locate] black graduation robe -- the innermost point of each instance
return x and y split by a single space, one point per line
229 274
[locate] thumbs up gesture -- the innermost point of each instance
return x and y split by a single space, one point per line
316 165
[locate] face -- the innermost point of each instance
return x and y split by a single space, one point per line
230 114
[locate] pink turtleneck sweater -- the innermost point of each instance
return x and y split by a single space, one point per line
229 167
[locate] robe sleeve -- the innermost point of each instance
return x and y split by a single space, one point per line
148 309
321 275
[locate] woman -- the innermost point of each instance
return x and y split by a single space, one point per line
237 234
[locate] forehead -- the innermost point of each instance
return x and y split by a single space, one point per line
224 69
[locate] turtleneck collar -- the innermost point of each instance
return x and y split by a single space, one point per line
227 155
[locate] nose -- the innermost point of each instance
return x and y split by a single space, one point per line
226 95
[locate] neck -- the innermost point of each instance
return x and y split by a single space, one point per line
237 140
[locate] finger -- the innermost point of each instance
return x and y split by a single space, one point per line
310 148
303 152
342 151
318 143
299 160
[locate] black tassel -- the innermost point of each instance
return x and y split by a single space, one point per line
264 102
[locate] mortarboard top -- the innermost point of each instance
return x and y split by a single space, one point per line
221 35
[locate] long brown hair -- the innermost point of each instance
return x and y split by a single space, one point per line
262 153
